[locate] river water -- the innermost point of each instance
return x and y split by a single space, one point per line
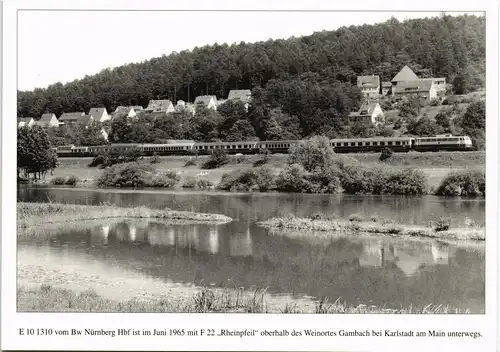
369 270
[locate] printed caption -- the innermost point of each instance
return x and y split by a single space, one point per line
188 333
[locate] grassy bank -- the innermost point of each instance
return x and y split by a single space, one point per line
435 165
356 225
30 214
208 300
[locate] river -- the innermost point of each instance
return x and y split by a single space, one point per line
370 270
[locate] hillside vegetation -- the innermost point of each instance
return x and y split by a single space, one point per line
443 46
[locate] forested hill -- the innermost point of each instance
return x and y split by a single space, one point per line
441 47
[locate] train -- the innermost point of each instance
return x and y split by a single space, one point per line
345 145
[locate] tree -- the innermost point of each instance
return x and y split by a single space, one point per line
242 130
314 153
473 123
34 152
423 127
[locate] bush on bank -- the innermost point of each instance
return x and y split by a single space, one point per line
136 175
259 178
196 183
463 183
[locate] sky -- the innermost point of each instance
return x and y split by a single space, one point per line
61 46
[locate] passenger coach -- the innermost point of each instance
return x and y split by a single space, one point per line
357 145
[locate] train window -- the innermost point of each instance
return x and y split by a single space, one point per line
389 143
360 143
382 143
353 144
398 143
346 144
375 143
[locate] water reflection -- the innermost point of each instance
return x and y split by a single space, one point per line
376 270
249 208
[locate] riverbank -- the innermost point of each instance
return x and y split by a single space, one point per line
46 298
356 226
435 165
36 214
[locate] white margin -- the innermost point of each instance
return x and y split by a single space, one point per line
12 321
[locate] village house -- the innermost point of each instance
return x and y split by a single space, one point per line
99 114
70 118
208 101
386 88
25 122
47 120
85 121
369 86
439 85
405 75
137 108
422 89
370 113
164 106
182 105
124 111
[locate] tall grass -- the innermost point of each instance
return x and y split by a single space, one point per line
29 214
208 300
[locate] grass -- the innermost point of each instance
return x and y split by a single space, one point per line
30 214
208 300
356 225
442 161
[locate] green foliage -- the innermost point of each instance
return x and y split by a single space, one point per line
34 151
409 108
398 124
356 218
435 102
385 154
71 180
473 123
59 180
217 159
261 178
264 158
463 183
294 178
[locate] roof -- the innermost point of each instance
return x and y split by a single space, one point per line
137 108
123 109
386 84
24 119
365 110
205 99
97 113
242 94
46 117
368 81
406 74
420 85
84 119
159 105
71 116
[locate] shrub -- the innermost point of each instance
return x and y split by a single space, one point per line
167 180
124 175
239 159
291 178
443 224
463 183
406 182
218 158
261 178
193 182
71 180
435 102
398 124
355 218
58 180
155 159
262 160
386 154
190 162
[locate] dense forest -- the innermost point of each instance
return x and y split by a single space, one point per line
318 69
